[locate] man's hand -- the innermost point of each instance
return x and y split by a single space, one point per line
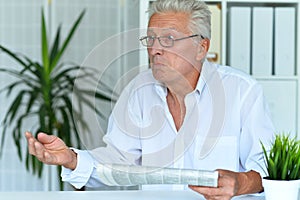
232 184
51 150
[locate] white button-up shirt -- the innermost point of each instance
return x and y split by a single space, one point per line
226 119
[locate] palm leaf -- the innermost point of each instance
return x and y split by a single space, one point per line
65 127
25 78
55 46
26 66
13 55
11 87
14 108
54 62
17 140
45 58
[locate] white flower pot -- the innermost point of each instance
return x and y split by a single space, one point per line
279 190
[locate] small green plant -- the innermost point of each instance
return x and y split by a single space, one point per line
283 159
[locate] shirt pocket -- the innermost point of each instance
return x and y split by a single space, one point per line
217 153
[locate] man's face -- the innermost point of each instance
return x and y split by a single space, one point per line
169 64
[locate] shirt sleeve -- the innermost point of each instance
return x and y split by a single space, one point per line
257 127
85 173
85 169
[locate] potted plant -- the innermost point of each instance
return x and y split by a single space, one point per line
43 91
283 167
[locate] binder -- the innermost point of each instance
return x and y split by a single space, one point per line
239 38
285 41
214 53
262 41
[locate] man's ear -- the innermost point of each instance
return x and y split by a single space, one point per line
202 49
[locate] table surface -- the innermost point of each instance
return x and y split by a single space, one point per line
111 195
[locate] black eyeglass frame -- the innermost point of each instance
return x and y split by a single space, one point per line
170 37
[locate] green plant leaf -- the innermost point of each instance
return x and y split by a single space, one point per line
65 127
283 160
55 47
13 55
66 42
25 78
11 87
32 99
13 109
17 140
45 58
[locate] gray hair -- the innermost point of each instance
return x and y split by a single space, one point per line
200 15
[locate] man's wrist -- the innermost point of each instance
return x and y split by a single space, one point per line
73 160
249 182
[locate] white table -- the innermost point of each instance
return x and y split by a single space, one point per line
110 195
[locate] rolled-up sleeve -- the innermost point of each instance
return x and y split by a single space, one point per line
81 175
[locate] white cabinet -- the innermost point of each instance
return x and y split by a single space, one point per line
282 100
261 38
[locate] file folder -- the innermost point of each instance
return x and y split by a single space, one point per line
262 41
214 53
239 38
285 41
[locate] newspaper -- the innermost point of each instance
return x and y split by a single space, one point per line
129 175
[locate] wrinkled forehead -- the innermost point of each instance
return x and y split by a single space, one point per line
163 31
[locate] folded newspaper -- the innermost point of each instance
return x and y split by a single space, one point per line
129 175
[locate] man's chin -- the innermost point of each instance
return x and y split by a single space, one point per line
159 77
161 74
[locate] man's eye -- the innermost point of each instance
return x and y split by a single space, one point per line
169 37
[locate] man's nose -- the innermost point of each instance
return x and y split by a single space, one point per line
156 48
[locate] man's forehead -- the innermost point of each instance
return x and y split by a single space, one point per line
155 29
170 30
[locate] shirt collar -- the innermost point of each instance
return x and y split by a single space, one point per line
202 80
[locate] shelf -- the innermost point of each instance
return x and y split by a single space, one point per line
281 78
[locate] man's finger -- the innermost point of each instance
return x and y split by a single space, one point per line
210 191
30 141
28 135
39 151
46 139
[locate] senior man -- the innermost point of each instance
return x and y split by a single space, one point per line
210 116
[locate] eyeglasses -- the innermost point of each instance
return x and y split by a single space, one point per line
165 41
